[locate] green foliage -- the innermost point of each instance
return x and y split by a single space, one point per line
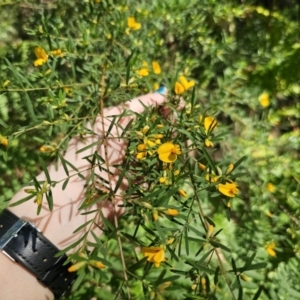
245 248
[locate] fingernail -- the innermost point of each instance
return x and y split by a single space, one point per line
161 90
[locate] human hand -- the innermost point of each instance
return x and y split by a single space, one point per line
59 224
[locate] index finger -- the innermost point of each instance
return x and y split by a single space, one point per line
138 104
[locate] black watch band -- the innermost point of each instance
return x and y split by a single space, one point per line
22 242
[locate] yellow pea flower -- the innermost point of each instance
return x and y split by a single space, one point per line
41 56
172 212
210 123
156 67
270 187
228 189
57 52
97 264
133 24
143 72
208 143
77 266
182 193
155 255
264 99
4 141
270 249
168 152
183 85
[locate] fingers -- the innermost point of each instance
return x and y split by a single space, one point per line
139 104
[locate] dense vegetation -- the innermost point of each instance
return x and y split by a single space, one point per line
60 59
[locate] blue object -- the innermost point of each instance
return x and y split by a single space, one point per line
161 89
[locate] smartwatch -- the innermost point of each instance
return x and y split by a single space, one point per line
23 243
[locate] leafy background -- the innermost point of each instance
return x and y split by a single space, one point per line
235 51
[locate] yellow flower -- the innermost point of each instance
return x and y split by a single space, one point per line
4 141
77 266
155 255
202 167
143 72
168 152
208 143
228 189
212 177
41 56
176 172
97 264
264 100
271 187
182 193
270 249
57 52
172 212
163 179
210 123
183 85
156 67
155 86
133 24
47 148
229 169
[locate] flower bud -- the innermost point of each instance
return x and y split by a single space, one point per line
147 205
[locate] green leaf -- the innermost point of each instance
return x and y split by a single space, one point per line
65 183
216 277
49 199
202 259
3 123
83 226
30 108
253 267
88 147
257 294
219 245
209 161
210 221
240 161
22 200
42 163
61 252
160 231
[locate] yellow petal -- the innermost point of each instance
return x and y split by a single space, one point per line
182 193
186 84
210 123
229 169
77 266
228 189
172 212
40 53
179 88
208 143
141 147
132 24
156 67
39 62
202 167
264 99
141 155
4 141
143 72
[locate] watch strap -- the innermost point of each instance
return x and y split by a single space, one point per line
37 254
